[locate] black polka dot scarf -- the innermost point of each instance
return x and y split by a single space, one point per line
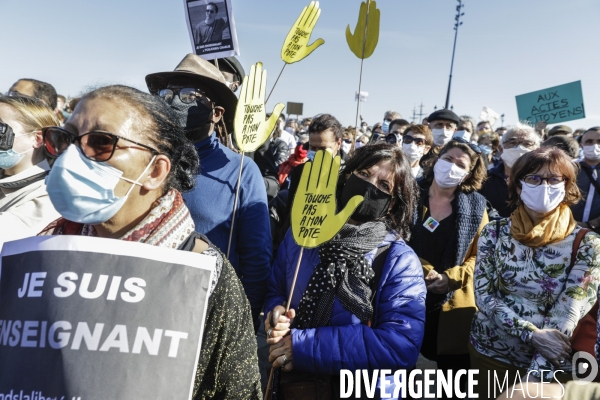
344 272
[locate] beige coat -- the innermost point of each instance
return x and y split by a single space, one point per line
25 208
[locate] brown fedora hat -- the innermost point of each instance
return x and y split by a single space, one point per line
207 76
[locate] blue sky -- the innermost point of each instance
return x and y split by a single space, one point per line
505 48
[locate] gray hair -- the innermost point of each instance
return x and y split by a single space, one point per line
524 127
466 118
393 114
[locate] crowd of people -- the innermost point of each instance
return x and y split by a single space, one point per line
473 247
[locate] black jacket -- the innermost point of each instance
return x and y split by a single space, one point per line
495 190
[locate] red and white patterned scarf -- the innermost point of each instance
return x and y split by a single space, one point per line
168 224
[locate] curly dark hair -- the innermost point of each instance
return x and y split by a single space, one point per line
157 120
406 191
478 170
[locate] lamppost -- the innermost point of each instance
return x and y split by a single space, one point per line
458 23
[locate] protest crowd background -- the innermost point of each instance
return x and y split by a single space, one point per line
476 245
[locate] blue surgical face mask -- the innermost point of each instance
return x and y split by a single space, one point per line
385 126
82 190
487 150
10 158
311 155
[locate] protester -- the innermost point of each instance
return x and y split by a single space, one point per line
489 143
466 127
25 208
232 71
148 151
388 117
483 127
565 143
398 127
204 106
587 211
560 130
518 140
449 218
299 157
268 157
536 275
325 132
37 89
501 131
579 132
365 323
417 143
443 124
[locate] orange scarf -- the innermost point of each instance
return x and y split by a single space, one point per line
553 228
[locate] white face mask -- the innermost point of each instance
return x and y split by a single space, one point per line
543 198
448 175
415 171
592 152
413 152
442 136
462 134
510 156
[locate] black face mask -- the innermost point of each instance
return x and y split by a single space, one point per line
190 116
375 205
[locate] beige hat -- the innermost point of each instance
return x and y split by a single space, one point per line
206 76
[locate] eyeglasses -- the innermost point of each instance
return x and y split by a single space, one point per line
96 146
186 95
407 139
473 147
513 143
536 180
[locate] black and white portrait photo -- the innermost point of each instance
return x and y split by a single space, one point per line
211 27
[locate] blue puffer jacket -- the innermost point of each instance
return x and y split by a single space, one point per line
394 340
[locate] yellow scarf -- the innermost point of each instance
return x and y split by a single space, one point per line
553 228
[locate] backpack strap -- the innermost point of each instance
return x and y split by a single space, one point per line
576 243
189 243
591 177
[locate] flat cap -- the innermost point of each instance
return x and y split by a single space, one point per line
443 115
558 129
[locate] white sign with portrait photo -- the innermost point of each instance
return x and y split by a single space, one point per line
212 28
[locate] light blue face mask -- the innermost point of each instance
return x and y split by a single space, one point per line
487 150
82 190
385 126
10 158
311 155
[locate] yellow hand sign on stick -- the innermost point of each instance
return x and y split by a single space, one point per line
366 35
314 218
296 48
251 129
363 43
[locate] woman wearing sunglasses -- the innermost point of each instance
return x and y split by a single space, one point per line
536 274
121 165
24 203
417 142
449 218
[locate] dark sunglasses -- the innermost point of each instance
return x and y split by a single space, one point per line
391 139
407 139
186 95
96 146
473 147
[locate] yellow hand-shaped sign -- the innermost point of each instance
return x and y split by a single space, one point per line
251 129
366 35
314 218
295 47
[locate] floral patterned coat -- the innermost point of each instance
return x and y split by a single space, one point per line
519 289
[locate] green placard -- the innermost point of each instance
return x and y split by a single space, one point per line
553 105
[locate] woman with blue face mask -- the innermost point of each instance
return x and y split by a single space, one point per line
450 215
121 164
24 203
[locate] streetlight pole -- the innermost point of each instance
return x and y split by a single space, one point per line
458 23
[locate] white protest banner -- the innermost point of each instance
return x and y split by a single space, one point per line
96 319
212 28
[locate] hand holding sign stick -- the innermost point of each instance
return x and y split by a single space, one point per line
314 218
295 47
251 129
363 43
